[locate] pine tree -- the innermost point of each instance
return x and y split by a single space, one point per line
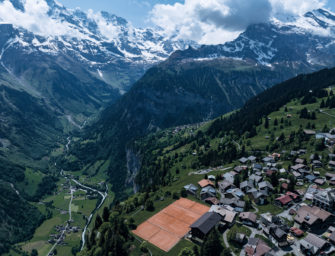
98 222
105 214
266 124
212 246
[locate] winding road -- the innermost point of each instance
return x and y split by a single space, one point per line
103 198
103 195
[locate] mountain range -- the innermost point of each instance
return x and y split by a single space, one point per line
197 85
129 82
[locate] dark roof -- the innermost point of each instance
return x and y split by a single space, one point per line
206 222
280 233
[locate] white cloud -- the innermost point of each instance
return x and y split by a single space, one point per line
218 21
35 18
296 6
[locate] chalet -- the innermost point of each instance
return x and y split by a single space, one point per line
329 175
248 218
256 246
225 185
317 164
207 192
267 219
255 178
252 159
211 178
284 201
238 169
298 167
299 161
191 189
229 176
259 197
268 159
295 196
265 186
310 178
247 185
312 245
319 182
312 218
243 160
331 164
205 224
279 235
212 201
227 215
234 193
257 167
233 202
205 183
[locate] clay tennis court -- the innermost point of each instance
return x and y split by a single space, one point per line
166 228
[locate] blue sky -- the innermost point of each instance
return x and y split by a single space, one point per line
135 11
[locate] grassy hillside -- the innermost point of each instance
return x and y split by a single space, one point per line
166 96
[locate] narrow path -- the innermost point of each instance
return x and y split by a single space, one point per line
67 225
323 112
225 240
238 145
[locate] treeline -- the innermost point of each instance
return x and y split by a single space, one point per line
271 100
18 219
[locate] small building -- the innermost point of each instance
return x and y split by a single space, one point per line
265 186
212 201
226 214
312 245
243 160
205 224
252 159
296 231
284 201
279 235
207 192
256 247
331 164
225 185
247 185
248 218
211 177
205 182
191 189
256 178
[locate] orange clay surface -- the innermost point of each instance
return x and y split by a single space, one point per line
166 228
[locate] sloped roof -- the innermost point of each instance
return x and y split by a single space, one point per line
191 187
206 222
315 240
204 183
248 216
285 199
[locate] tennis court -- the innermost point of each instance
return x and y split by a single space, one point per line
166 228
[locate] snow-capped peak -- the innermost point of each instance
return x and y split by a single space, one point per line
89 32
